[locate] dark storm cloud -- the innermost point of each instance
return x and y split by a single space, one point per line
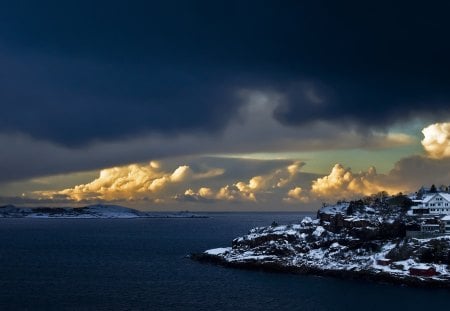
74 72
415 171
74 102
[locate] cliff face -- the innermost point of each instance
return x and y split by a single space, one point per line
365 244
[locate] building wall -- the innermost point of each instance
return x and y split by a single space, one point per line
438 205
420 234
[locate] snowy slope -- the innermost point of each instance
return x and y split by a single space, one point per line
111 211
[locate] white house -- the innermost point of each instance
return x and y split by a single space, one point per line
434 204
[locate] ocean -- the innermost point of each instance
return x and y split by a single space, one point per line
141 264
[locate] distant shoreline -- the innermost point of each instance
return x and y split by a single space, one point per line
99 211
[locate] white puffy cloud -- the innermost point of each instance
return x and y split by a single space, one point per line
436 141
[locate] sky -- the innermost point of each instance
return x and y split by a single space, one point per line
221 105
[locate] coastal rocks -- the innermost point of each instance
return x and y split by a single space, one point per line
378 251
363 222
435 250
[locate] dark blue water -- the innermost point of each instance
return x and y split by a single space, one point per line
140 264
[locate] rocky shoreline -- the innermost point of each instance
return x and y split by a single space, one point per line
382 277
364 244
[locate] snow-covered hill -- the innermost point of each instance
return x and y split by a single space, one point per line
112 211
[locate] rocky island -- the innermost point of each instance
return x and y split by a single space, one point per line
371 239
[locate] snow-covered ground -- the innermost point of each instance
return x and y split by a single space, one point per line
310 247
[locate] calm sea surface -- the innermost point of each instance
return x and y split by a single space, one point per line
140 264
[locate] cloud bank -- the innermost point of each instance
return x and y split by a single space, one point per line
256 189
255 130
257 182
131 182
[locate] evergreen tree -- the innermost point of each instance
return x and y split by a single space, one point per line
433 189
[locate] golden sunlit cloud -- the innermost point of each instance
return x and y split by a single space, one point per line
131 182
261 184
343 183
249 191
436 140
283 183
296 195
233 193
340 183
